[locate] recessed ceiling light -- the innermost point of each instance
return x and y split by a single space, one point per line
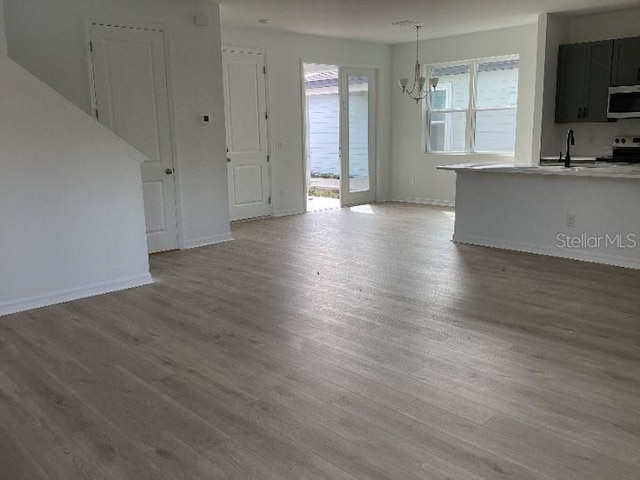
405 23
264 21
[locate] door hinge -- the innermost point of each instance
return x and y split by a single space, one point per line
264 69
97 115
269 200
268 158
266 115
90 46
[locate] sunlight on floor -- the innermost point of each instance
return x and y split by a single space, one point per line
363 209
316 204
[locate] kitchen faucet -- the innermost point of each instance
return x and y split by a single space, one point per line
570 141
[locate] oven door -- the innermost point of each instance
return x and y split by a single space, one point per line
624 102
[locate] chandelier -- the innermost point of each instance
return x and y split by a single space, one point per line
419 90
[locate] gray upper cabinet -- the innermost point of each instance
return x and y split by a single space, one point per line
573 67
626 62
599 81
584 76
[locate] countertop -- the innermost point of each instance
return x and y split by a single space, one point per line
606 170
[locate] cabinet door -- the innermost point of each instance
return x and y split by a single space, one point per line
571 96
626 62
601 58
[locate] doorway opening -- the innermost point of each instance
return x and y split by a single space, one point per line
322 95
340 118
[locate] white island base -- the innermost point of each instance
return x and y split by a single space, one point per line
589 214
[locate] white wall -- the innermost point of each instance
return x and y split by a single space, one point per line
603 26
284 54
408 158
592 139
48 39
70 200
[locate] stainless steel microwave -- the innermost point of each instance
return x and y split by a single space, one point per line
624 102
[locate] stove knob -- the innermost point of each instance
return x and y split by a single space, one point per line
617 140
624 140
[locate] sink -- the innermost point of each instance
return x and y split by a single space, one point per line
601 168
557 159
577 168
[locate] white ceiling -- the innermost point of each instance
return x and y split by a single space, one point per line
370 20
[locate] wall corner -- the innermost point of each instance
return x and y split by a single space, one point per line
539 89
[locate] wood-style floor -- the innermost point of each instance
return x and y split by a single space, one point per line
334 345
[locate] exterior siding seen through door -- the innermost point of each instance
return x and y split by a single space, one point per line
324 133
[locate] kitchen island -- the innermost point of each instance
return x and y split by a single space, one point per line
589 213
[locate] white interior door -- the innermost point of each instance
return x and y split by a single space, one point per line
358 99
247 144
132 99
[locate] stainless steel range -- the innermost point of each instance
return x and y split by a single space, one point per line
626 149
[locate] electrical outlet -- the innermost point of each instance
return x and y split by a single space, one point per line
571 220
412 181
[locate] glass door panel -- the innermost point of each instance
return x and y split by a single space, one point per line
358 101
359 180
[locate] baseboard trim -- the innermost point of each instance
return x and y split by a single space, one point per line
582 256
205 242
64 296
425 201
287 213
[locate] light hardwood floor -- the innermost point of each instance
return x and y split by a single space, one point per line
333 345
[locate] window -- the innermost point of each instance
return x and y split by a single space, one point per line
474 108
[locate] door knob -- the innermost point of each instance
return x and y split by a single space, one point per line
228 160
169 171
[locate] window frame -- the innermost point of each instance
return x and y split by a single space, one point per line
471 110
447 122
